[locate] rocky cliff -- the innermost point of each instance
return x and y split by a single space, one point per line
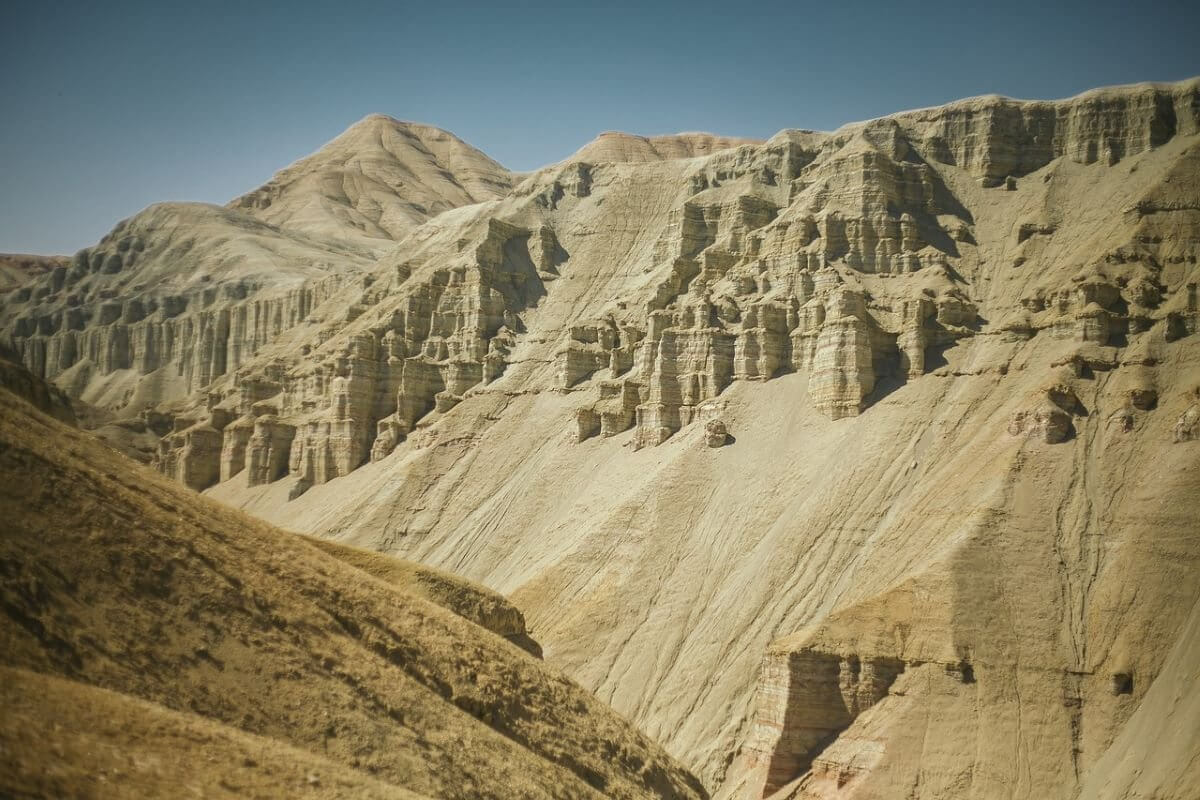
911 408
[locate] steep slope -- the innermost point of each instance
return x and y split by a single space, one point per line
469 600
17 380
152 616
106 744
859 463
917 314
376 182
1155 754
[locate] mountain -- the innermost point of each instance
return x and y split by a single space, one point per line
197 289
376 182
847 464
155 643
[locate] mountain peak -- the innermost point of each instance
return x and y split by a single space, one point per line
377 181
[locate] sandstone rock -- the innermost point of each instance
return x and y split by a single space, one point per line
578 362
843 375
192 456
1143 398
1187 427
805 699
268 451
587 424
389 433
1124 419
715 433
234 440
862 274
1047 422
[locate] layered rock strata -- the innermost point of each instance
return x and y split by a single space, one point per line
957 349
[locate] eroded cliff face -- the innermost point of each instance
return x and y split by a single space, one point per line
170 300
919 396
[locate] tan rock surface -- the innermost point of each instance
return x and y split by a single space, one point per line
376 182
957 347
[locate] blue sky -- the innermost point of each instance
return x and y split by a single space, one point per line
108 107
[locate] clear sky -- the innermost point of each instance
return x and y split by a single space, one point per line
106 107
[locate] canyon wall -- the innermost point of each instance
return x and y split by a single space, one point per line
911 408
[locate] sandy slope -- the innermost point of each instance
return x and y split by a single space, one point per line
133 598
659 577
951 548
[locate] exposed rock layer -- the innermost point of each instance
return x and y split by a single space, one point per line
957 351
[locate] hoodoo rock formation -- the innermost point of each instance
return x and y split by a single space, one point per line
951 548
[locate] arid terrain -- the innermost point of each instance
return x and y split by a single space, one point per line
157 644
854 464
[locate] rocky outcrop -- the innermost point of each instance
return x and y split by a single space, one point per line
1046 422
1049 415
192 455
995 137
158 297
1187 427
613 413
235 438
446 334
843 373
268 452
715 433
897 320
806 698
741 327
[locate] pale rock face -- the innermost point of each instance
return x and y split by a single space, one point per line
843 375
805 699
892 317
268 450
1187 428
1047 422
715 433
192 456
615 147
236 437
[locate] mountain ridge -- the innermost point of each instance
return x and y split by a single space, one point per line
790 451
